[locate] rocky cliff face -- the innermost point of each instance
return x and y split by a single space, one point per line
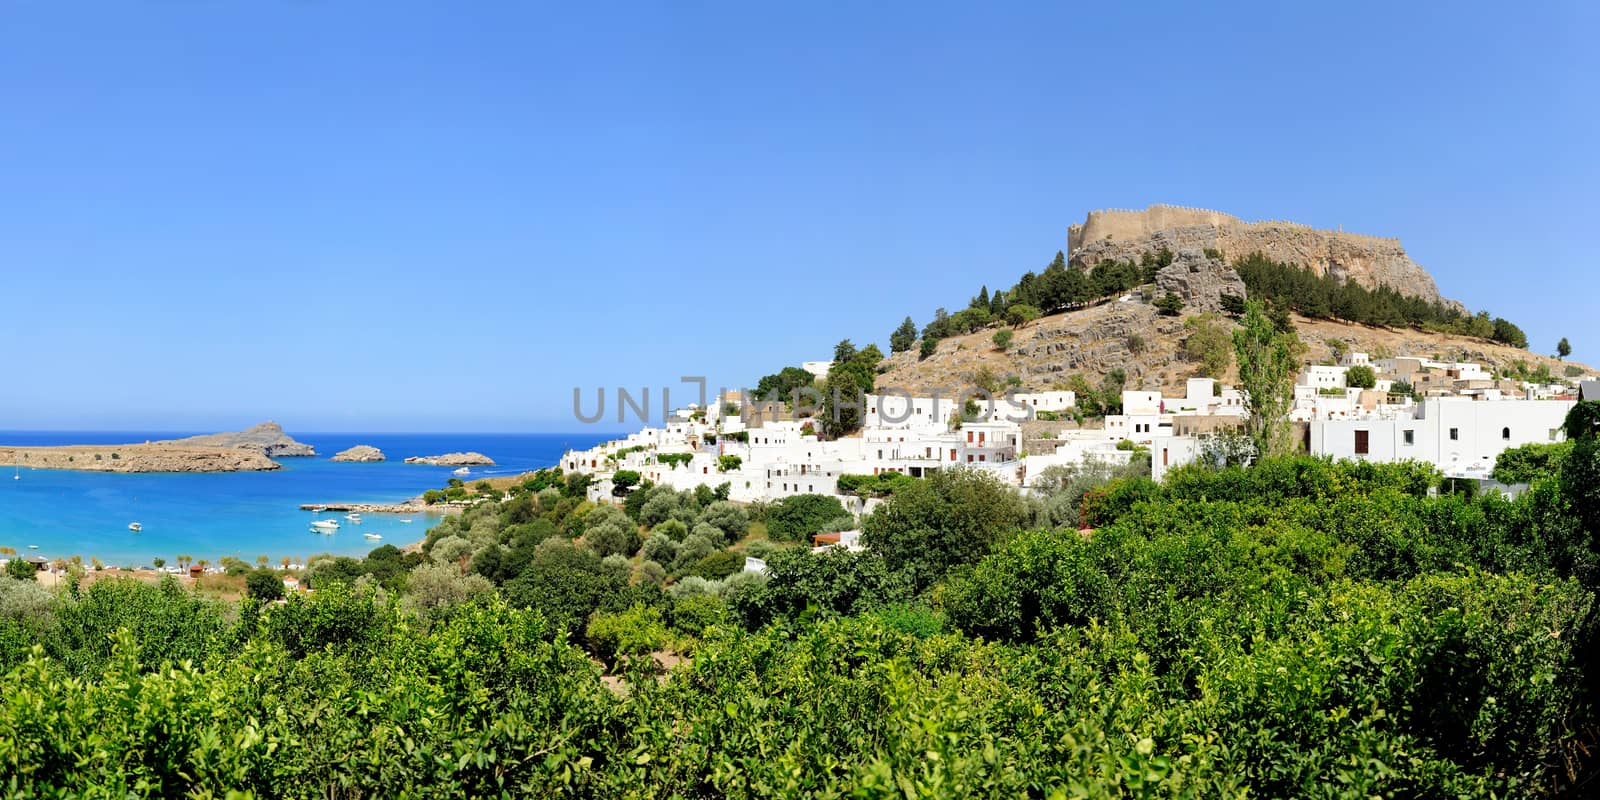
1200 280
1368 260
267 438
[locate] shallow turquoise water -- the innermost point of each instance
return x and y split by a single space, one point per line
241 514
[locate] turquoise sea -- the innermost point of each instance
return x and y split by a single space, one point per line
242 514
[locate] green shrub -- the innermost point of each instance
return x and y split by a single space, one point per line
618 638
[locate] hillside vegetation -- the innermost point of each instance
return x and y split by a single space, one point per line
1148 346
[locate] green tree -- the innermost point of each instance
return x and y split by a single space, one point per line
849 379
21 569
1170 304
623 481
1209 344
929 347
263 584
1020 314
1337 348
903 337
1507 333
1002 339
1563 348
782 385
799 517
954 517
1267 366
1360 377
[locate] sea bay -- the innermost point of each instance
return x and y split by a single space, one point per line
242 514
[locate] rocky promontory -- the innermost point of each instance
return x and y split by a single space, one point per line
1371 261
267 439
361 453
454 460
149 457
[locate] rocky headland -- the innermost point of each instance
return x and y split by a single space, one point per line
149 457
453 460
361 453
267 438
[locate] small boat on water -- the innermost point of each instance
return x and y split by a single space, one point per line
353 517
405 522
135 527
372 536
324 526
33 547
462 471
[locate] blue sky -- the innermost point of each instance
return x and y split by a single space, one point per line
424 216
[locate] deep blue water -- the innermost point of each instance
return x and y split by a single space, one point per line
242 514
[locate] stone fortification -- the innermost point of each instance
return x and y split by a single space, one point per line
1118 234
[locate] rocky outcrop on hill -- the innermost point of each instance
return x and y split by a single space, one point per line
361 453
267 438
1200 280
454 460
1368 260
138 458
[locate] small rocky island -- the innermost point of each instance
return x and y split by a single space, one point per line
454 460
361 453
267 438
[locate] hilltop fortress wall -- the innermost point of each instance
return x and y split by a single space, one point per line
1126 233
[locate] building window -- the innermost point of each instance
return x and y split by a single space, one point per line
1410 437
1361 443
969 458
1505 433
1455 434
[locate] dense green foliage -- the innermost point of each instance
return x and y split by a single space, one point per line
880 485
1524 464
1297 628
798 518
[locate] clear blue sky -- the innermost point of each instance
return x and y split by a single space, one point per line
443 216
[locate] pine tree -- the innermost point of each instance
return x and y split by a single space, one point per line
1563 348
903 337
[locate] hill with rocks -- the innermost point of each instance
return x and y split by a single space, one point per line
1098 308
1370 261
1148 346
266 438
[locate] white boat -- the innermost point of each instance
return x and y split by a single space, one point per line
324 526
462 471
353 517
17 476
135 527
405 522
33 547
372 536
